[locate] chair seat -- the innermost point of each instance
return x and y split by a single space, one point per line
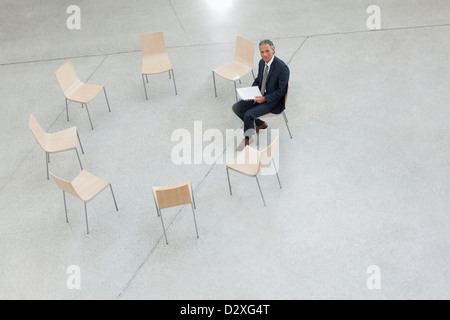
247 162
61 141
83 93
88 186
156 64
233 71
270 115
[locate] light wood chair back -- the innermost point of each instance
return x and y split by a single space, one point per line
244 165
286 96
247 162
85 187
153 44
241 65
65 186
268 153
245 51
172 196
67 77
283 113
39 134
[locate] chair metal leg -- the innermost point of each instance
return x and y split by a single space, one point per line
79 160
114 198
85 213
214 80
260 191
46 163
254 78
195 221
79 140
162 222
257 137
174 84
276 171
65 206
156 205
170 77
193 199
235 90
89 116
107 102
229 184
67 110
87 109
145 88
146 77
286 121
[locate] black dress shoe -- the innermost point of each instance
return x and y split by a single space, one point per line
261 127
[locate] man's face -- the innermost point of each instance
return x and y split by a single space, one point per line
266 52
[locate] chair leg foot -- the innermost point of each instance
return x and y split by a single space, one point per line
214 80
229 184
164 229
67 110
47 160
65 206
79 160
174 84
90 121
107 102
81 146
85 212
287 126
195 221
114 198
260 191
145 88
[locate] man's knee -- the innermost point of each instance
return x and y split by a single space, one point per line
239 108
235 108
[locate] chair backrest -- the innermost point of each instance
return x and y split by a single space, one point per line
153 44
286 96
245 51
270 152
64 185
67 77
172 196
39 134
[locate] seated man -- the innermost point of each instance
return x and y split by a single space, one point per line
272 80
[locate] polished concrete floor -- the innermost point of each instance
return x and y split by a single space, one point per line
366 177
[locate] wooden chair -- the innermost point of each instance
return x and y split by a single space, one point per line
155 59
75 90
173 196
250 161
283 113
241 65
55 142
84 187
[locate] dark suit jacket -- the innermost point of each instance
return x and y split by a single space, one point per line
277 83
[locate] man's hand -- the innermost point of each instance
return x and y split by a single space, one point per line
260 99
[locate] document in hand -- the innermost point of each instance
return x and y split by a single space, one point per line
248 93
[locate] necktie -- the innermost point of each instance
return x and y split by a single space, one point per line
264 81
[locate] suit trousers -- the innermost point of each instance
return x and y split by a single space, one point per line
249 111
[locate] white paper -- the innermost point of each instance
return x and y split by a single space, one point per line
248 93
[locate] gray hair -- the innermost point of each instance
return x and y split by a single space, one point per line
270 43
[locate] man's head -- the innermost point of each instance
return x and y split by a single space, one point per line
267 50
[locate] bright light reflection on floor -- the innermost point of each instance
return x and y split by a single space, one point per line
221 6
